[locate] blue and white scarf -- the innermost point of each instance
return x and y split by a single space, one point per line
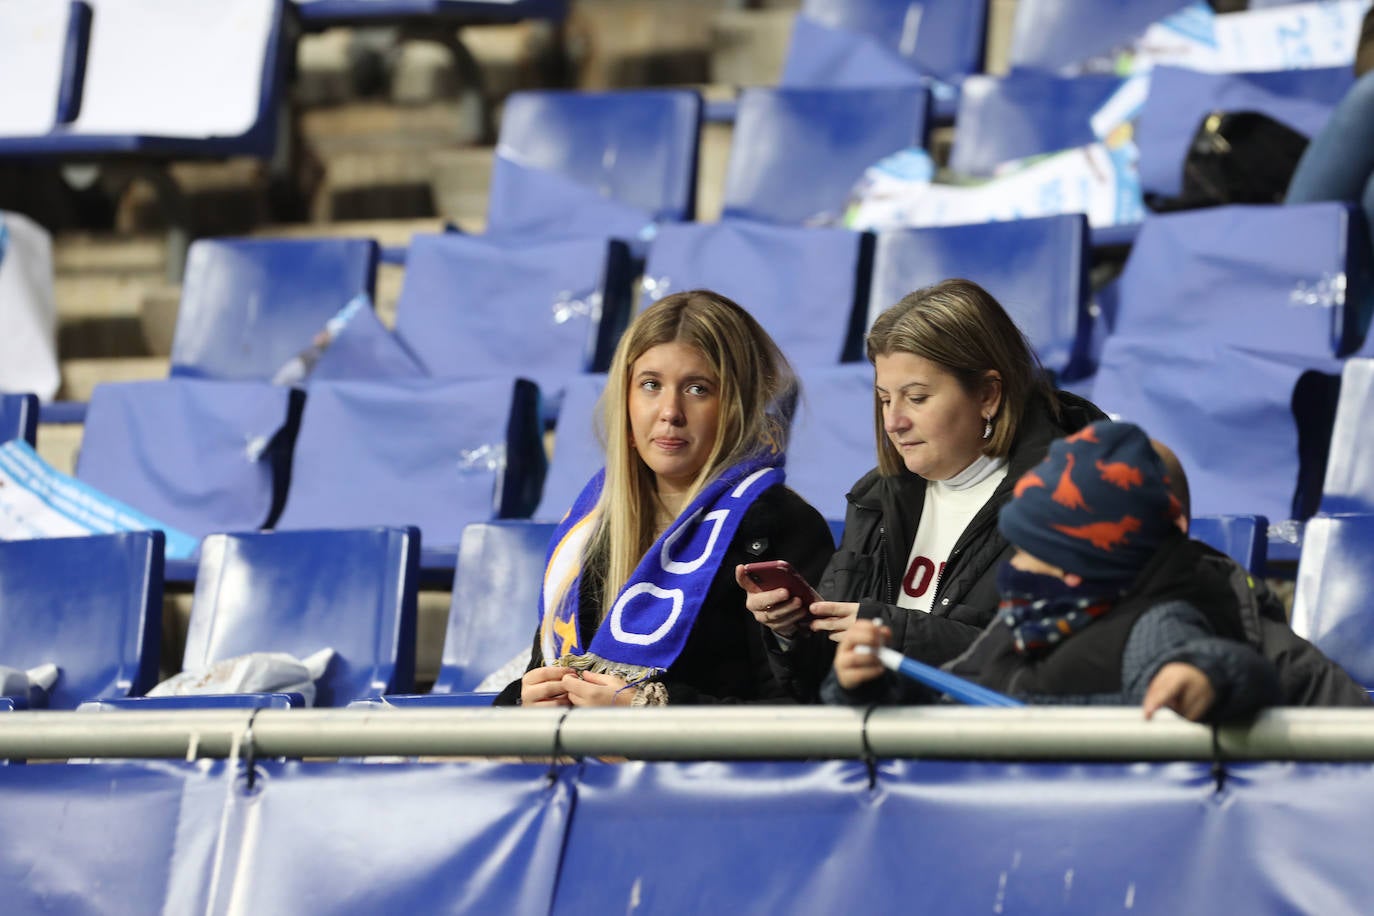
649 622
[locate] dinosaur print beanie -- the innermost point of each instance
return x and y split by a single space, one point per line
1099 505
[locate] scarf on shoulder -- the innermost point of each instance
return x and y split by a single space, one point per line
1042 611
648 623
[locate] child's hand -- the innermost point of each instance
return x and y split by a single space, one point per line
1181 687
856 660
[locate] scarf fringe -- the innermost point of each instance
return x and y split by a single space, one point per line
590 661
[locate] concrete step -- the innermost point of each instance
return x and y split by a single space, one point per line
80 376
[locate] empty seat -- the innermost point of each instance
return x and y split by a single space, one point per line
201 456
28 310
577 451
805 285
250 305
1055 34
594 163
1349 485
495 608
436 454
1331 605
1241 537
92 606
33 54
1037 269
18 417
832 440
796 154
473 306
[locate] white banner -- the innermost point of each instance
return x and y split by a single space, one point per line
28 312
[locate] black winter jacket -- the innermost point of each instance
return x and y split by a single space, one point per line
879 528
725 659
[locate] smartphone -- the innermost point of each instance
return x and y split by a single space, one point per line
773 574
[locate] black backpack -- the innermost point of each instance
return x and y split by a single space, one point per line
1237 157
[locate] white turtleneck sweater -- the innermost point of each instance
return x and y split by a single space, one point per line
949 506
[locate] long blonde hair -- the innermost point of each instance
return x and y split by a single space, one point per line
960 327
757 390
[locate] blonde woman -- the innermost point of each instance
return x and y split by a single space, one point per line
640 605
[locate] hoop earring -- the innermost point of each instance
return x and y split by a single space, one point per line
987 427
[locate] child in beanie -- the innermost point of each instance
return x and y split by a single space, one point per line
1102 599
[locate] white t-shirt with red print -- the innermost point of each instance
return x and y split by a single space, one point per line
950 505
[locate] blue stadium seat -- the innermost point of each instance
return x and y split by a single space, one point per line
353 591
1037 269
577 452
495 608
474 307
1349 485
250 305
198 455
1180 98
436 454
18 417
595 164
832 442
34 42
1331 605
796 153
807 286
1055 34
1025 113
867 43
1241 537
92 606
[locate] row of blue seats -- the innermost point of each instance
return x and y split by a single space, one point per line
92 606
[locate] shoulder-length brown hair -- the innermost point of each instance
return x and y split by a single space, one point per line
960 327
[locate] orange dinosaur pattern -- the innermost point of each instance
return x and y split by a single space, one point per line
1028 480
1086 434
1067 493
1121 474
1102 535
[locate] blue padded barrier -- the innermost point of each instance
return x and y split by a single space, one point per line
831 443
1025 113
1331 606
807 286
495 608
200 456
301 591
577 451
437 454
92 606
18 417
1037 269
250 305
1241 537
1349 485
473 306
796 153
1054 34
594 163
1180 98
200 701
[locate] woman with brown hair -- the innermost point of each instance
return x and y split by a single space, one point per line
961 410
639 605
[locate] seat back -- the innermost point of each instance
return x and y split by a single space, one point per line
186 71
941 38
250 305
1036 268
1349 485
302 591
577 449
1243 538
1025 113
436 454
201 456
1331 599
831 443
474 307
803 284
90 605
1054 34
594 163
33 54
796 153
495 608
18 417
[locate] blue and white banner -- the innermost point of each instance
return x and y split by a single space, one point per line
38 501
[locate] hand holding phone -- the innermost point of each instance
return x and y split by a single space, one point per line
772 574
